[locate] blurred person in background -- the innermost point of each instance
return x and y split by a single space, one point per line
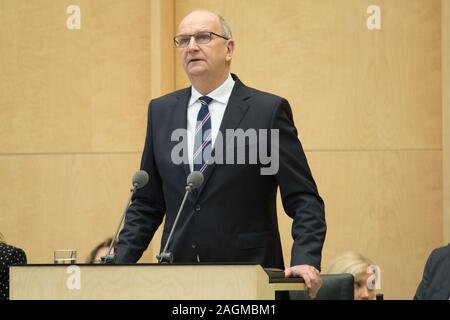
435 284
360 267
100 251
9 255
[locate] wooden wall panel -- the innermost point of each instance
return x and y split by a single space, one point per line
162 53
74 90
446 115
63 201
350 88
384 204
73 116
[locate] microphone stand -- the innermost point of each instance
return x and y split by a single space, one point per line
165 256
110 257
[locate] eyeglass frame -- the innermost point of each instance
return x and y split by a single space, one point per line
193 35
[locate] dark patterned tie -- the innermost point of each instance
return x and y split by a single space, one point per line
202 140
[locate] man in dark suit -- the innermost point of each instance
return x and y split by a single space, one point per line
435 284
232 216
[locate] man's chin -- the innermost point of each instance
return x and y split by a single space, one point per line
195 71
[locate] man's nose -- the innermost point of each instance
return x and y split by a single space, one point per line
192 43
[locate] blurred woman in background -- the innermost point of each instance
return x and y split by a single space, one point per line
361 269
9 255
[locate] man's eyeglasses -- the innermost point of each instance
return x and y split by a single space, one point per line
183 40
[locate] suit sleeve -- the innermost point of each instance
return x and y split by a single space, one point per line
422 289
147 210
301 200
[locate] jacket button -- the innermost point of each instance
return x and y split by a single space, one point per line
197 207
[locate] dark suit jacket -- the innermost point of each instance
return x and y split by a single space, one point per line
9 255
435 284
232 216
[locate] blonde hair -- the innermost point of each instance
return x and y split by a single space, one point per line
349 262
1 238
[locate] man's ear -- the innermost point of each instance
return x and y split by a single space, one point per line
230 49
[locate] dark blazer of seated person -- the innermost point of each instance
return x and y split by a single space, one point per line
435 284
9 255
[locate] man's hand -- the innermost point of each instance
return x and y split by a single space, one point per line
311 276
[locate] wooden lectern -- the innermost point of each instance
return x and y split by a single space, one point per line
147 281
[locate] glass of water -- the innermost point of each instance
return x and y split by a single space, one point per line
65 256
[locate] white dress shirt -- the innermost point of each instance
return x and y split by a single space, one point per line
217 107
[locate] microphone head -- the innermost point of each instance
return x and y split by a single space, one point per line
140 179
195 179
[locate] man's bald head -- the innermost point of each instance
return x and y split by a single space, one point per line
213 17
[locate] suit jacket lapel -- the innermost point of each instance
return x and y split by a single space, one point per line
236 109
181 121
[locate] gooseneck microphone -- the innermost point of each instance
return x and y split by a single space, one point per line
139 180
193 181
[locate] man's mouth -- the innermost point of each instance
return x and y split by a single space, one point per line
195 60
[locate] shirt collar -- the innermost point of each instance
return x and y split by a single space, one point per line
220 94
